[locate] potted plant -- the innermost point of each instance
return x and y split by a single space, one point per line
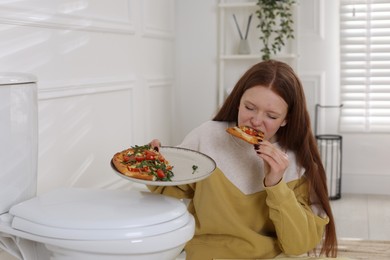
276 24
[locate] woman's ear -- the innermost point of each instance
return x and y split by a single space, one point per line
283 123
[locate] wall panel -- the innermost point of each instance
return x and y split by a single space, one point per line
159 109
91 16
78 136
313 84
158 18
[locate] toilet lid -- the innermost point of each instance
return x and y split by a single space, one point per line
89 214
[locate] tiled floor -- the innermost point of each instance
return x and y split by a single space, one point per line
362 216
357 216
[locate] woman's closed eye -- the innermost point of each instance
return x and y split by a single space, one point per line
249 108
273 117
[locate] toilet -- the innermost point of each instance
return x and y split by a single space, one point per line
74 223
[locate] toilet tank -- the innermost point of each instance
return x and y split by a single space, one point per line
18 138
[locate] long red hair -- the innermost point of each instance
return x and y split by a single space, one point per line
297 135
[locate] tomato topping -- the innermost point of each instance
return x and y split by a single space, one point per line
250 131
160 173
149 152
149 157
139 158
132 169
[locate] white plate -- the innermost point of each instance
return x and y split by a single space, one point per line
182 160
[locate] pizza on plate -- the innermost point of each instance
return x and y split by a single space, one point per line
143 162
246 133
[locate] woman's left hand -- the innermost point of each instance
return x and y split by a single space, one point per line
275 162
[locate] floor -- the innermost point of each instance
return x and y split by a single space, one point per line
364 217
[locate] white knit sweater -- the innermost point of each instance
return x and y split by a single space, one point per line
233 155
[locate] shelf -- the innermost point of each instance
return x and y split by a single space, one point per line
255 56
231 65
237 5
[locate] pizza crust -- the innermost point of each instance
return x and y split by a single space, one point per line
141 176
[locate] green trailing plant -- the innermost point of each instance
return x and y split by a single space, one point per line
276 25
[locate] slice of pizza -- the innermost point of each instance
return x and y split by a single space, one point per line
143 162
246 133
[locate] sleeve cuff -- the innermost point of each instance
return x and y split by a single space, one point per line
279 192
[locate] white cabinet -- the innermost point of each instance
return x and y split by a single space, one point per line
231 64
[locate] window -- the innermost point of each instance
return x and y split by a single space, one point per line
365 65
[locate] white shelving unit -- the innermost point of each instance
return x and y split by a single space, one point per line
232 65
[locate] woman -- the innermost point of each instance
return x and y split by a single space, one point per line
262 200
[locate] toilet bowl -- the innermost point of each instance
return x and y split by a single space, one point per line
74 223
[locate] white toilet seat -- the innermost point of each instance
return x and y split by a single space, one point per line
85 214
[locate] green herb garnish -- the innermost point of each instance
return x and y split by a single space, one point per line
194 168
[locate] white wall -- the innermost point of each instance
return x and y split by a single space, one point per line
196 65
105 77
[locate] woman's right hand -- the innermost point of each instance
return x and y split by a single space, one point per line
155 144
275 162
